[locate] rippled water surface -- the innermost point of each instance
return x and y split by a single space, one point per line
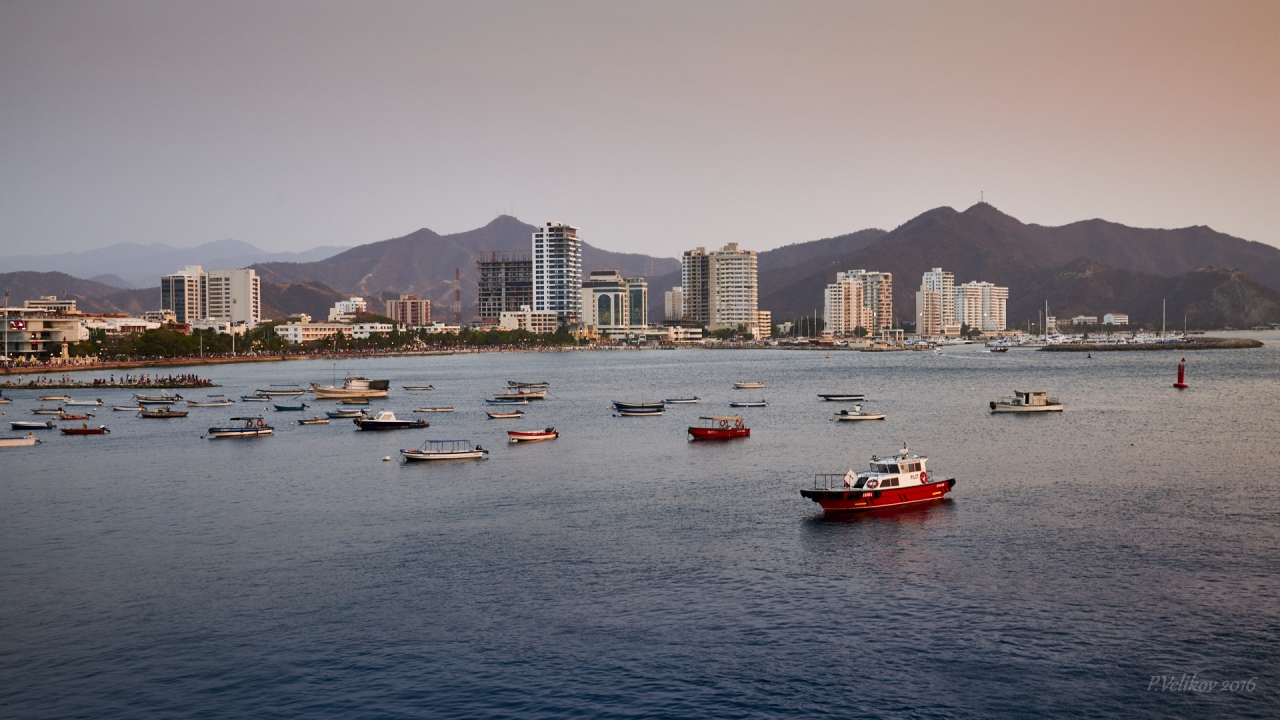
624 571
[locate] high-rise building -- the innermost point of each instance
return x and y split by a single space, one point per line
732 288
614 304
877 297
674 304
505 284
981 306
693 283
233 296
557 271
843 308
944 284
929 313
410 311
347 310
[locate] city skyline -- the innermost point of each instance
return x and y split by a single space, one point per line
127 123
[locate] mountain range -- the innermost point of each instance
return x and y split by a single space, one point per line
1090 267
133 265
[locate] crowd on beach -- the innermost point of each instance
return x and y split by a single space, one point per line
132 381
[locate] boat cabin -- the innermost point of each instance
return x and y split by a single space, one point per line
901 470
723 423
1031 398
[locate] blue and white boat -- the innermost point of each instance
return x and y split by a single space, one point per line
253 427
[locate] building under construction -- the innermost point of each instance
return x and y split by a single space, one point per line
506 283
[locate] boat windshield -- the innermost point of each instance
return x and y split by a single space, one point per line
862 480
887 468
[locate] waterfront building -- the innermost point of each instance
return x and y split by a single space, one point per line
233 296
557 271
51 303
929 314
410 311
693 286
843 308
116 326
982 305
943 283
1115 319
1084 320
680 334
505 283
159 316
362 331
439 327
540 322
720 288
764 324
346 310
877 297
674 302
38 333
614 305
301 332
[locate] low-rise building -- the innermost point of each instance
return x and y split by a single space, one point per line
539 322
439 327
37 333
764 324
117 325
346 310
302 332
51 303
677 334
1115 319
1084 320
361 331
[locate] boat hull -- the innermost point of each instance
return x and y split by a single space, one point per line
221 433
620 405
516 436
504 416
835 397
27 441
701 433
163 414
998 408
314 421
337 393
638 413
846 500
371 424
863 416
748 404
85 431
27 425
683 401
748 385
418 455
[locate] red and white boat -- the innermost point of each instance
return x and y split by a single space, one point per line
517 436
890 482
84 429
720 428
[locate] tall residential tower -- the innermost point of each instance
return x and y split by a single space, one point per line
557 271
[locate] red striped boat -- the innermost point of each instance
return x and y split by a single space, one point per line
890 482
720 428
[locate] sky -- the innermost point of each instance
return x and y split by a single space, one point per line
653 126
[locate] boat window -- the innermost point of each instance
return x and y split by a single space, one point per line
862 480
891 468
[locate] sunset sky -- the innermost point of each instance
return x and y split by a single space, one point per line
653 126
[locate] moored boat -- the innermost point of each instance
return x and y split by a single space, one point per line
445 450
291 408
354 401
74 416
1001 349
620 405
890 482
386 420
353 386
682 401
46 411
519 436
291 390
54 398
32 425
253 427
418 387
21 441
164 398
857 414
433 409
255 398
161 413
720 428
508 401
842 397
639 412
748 385
748 403
84 429
344 413
211 401
514 383
317 420
511 415
1026 401
84 403
522 393
126 408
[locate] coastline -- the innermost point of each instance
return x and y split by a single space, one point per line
1206 343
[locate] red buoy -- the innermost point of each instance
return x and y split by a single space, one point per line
1182 380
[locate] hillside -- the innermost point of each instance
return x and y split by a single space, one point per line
423 262
982 243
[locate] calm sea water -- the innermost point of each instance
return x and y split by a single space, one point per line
623 571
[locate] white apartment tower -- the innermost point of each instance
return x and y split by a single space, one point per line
981 306
843 307
877 297
233 296
557 271
943 283
693 283
732 288
674 299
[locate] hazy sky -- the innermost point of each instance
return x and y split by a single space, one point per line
653 126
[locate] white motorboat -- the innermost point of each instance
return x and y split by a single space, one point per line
46 411
21 441
253 427
386 420
857 414
445 450
748 403
281 391
683 401
211 401
32 425
748 385
164 398
353 386
433 409
84 403
1026 401
344 413
54 398
519 436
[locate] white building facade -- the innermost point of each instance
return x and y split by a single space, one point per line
346 310
674 304
540 322
982 306
615 305
843 309
1115 319
230 296
557 271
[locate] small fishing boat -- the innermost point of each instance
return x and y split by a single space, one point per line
343 413
1001 349
620 405
857 414
80 416
84 429
445 450
354 401
211 401
748 385
46 411
253 427
353 386
512 415
126 408
418 387
748 403
5 401
522 393
281 391
317 420
508 401
21 441
638 412
54 398
720 428
291 408
433 409
842 397
682 401
386 420
519 436
84 403
32 425
161 413
1026 401
516 384
164 398
255 398
890 482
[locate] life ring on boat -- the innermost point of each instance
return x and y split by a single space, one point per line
259 422
924 477
872 483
